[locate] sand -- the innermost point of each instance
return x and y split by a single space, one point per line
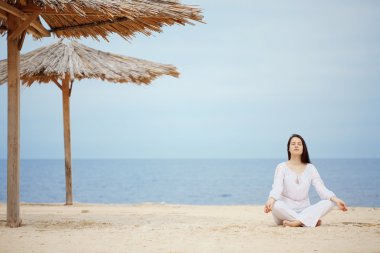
168 228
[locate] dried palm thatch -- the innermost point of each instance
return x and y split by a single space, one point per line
53 62
94 18
75 19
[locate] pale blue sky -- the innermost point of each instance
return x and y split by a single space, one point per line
257 72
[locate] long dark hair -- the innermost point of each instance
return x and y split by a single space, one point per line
305 154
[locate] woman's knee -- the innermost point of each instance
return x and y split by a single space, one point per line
327 203
280 209
279 205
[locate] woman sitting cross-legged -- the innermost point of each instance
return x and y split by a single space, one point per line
289 197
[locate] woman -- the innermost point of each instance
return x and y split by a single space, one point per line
289 197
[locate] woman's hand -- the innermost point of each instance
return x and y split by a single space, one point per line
269 205
340 203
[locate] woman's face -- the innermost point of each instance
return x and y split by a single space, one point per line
295 146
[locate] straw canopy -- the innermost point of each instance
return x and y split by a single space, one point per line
53 62
74 19
94 18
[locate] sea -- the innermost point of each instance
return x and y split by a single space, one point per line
185 181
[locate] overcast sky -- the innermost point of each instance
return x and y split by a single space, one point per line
257 72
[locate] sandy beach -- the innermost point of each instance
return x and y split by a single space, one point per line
181 228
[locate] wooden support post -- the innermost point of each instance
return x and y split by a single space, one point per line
23 26
21 40
66 134
13 165
58 84
71 87
36 24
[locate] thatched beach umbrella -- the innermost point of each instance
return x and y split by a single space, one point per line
63 62
71 18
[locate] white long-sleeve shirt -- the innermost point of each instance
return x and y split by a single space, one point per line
293 189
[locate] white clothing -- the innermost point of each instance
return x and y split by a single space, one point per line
291 192
308 216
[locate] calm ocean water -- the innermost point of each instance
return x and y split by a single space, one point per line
181 181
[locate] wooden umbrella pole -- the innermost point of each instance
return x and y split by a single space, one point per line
66 133
13 188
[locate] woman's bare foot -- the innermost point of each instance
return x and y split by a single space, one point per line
294 223
319 223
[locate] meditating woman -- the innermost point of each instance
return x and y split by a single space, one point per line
289 197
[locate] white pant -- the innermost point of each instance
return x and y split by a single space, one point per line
308 216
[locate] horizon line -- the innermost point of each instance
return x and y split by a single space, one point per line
190 158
